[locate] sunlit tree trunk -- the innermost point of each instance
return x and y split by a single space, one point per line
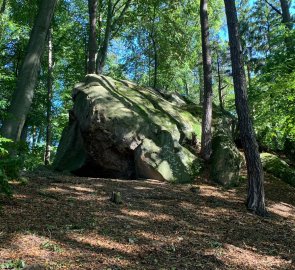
206 144
220 87
24 92
255 199
92 48
49 100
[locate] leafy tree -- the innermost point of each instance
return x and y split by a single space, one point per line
23 95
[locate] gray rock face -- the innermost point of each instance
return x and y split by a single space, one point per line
226 158
120 130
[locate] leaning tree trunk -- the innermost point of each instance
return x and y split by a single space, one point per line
49 100
92 50
255 200
206 145
23 94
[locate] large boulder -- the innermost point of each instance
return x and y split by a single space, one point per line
278 167
226 160
120 130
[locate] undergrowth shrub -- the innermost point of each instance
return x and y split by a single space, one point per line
10 165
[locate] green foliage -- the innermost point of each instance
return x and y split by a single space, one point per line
51 247
15 265
273 97
10 165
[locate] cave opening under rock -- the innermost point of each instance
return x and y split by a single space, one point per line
108 168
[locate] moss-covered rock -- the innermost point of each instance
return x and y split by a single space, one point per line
226 158
279 168
118 129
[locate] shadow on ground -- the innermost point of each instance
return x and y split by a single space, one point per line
66 222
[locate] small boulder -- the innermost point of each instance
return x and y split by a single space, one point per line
278 167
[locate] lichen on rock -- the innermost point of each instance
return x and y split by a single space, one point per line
120 130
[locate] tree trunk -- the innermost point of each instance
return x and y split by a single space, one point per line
3 6
23 94
49 100
92 48
155 82
24 134
201 84
287 20
220 88
255 199
206 144
102 55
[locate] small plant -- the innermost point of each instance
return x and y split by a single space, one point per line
51 247
15 265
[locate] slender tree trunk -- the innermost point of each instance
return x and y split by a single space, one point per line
92 48
220 88
255 199
206 144
102 55
34 136
3 7
186 88
201 84
23 94
49 100
155 81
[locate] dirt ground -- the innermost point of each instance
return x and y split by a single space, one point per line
67 222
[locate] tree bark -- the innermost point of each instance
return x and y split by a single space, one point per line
102 54
24 92
49 100
220 87
201 85
206 142
255 199
155 81
287 20
92 48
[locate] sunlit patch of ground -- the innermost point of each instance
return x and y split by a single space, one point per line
65 222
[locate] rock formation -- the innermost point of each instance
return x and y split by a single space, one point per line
120 130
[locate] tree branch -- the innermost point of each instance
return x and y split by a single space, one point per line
126 6
273 7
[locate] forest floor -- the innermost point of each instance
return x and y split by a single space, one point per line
67 222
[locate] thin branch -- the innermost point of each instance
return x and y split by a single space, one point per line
126 6
273 7
115 5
